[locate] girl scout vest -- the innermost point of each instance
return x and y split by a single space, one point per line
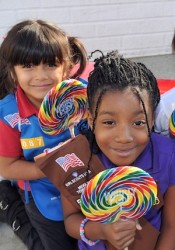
33 143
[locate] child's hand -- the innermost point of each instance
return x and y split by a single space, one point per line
121 233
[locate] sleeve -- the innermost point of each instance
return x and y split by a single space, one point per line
10 145
161 124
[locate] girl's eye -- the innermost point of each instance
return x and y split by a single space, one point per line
139 123
108 123
52 65
28 65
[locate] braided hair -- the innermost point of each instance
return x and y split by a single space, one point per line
113 72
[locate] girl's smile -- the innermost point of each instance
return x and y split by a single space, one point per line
123 152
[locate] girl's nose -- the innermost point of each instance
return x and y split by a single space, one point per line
123 134
41 72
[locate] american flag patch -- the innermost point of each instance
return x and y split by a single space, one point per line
14 119
69 160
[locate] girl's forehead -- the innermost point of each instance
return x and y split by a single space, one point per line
127 93
117 99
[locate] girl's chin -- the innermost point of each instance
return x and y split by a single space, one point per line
123 163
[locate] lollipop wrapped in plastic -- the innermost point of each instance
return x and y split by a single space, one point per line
172 124
63 107
125 192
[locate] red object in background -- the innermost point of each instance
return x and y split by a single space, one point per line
86 72
165 85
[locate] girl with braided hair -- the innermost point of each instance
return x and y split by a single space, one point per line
122 98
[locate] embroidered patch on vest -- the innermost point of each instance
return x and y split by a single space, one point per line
69 160
14 119
35 142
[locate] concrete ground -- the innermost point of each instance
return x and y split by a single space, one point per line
8 240
163 67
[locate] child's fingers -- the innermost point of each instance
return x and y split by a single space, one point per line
138 226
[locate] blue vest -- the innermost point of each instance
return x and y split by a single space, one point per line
34 142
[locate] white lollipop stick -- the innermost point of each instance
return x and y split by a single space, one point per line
72 132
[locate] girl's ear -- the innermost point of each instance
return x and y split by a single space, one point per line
152 118
90 119
64 75
12 76
152 121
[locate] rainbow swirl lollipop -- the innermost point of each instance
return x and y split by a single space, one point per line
125 192
63 107
172 124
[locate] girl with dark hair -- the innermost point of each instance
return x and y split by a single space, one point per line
34 57
122 97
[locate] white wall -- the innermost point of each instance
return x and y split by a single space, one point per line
134 27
